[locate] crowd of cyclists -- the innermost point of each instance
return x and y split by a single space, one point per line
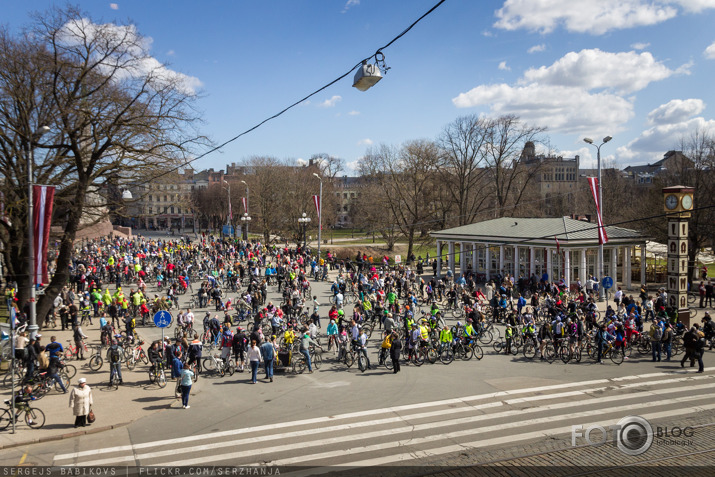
415 318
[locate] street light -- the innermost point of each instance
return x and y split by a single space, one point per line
30 232
588 140
245 228
304 221
127 194
320 214
245 220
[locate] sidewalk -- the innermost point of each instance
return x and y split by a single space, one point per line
135 399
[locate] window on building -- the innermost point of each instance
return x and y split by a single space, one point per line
352 195
345 195
172 209
151 210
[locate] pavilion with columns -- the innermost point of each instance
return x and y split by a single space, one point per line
561 247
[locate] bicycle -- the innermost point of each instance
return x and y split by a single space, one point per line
215 363
34 418
137 354
114 375
96 361
157 375
72 350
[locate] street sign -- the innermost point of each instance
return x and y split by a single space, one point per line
227 230
607 282
162 319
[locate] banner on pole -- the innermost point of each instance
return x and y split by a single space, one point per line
245 204
43 200
602 236
316 200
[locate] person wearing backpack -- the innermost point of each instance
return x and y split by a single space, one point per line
115 361
694 347
656 335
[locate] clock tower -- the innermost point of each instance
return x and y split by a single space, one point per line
678 203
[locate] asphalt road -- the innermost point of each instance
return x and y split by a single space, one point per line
339 416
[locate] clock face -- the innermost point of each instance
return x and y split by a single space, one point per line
671 202
687 202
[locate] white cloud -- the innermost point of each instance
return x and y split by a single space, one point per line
503 66
710 51
487 33
301 162
654 142
591 69
330 103
365 142
349 4
587 16
170 53
560 108
137 63
676 111
114 6
352 166
536 48
354 113
640 46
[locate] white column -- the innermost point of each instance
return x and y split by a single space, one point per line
643 263
474 258
614 264
488 260
516 261
462 258
501 260
582 268
439 257
548 264
451 256
567 267
627 267
532 261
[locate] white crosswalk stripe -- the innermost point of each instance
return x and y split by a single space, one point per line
435 428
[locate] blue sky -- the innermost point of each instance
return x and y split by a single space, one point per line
639 70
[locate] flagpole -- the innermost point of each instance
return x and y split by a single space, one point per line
320 215
30 228
601 228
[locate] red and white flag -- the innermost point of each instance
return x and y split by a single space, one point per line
230 211
316 200
602 236
43 200
245 204
558 245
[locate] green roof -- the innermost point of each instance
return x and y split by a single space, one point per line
537 230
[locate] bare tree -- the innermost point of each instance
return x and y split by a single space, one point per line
111 109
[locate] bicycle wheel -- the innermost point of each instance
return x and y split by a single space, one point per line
316 360
550 352
616 355
464 352
65 382
564 354
161 379
349 358
419 357
131 363
299 365
486 337
143 357
34 418
389 364
362 362
95 362
478 352
529 350
208 364
368 330
5 419
447 355
68 354
70 370
498 346
432 355
230 367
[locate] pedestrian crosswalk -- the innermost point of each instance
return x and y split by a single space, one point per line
398 434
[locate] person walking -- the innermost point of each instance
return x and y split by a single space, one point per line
81 402
656 335
187 379
395 350
254 357
268 354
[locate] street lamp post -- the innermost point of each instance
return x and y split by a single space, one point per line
588 140
245 228
304 221
230 212
320 215
245 220
30 231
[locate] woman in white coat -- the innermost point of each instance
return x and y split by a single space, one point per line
81 402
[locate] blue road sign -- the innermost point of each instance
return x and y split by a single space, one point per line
162 319
607 282
227 230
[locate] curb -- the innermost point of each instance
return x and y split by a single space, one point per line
67 435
